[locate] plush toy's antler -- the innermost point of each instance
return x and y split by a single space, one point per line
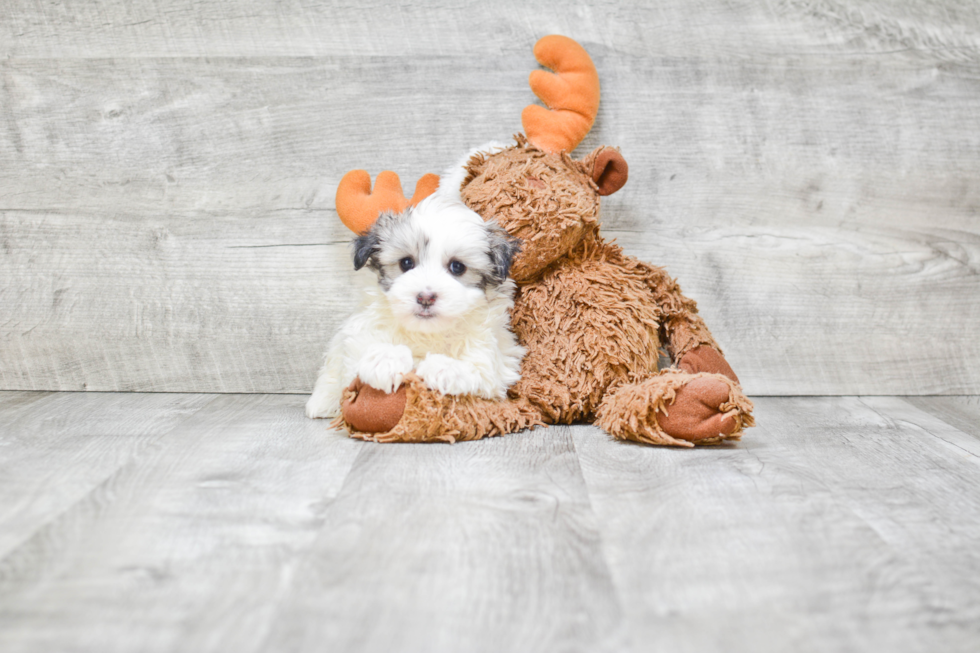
571 93
358 207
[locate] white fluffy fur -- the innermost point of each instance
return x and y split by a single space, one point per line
452 179
462 344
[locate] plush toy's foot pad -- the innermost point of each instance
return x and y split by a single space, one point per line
371 410
420 414
677 408
706 359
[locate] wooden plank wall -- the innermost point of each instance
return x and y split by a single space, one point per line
808 169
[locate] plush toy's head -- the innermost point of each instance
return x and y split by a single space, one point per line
548 200
533 189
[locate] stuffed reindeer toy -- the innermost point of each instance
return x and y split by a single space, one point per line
592 320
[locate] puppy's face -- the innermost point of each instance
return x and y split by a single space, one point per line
435 262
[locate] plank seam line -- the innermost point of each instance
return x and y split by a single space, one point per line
628 630
920 428
101 484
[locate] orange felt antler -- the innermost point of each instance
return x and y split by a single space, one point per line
358 207
571 93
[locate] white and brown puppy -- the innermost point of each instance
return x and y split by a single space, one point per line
441 306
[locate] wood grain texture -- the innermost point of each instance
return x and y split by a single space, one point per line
839 524
944 421
489 546
55 449
187 546
158 303
963 413
232 523
232 28
805 168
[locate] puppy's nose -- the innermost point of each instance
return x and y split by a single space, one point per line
426 299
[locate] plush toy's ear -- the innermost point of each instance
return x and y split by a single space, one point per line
609 170
358 206
571 94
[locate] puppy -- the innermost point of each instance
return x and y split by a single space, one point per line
441 306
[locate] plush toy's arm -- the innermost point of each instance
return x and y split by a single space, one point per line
683 332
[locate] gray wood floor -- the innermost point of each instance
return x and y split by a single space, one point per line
189 522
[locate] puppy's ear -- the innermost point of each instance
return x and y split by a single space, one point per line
366 246
503 249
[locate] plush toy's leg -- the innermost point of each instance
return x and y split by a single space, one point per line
676 408
414 413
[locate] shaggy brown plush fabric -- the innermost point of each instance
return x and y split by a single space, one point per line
589 315
546 200
434 417
593 321
587 323
592 318
677 409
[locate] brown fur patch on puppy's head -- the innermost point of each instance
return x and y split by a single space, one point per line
547 200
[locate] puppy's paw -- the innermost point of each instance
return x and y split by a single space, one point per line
448 375
384 366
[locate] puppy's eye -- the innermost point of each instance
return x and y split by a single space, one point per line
406 263
456 268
